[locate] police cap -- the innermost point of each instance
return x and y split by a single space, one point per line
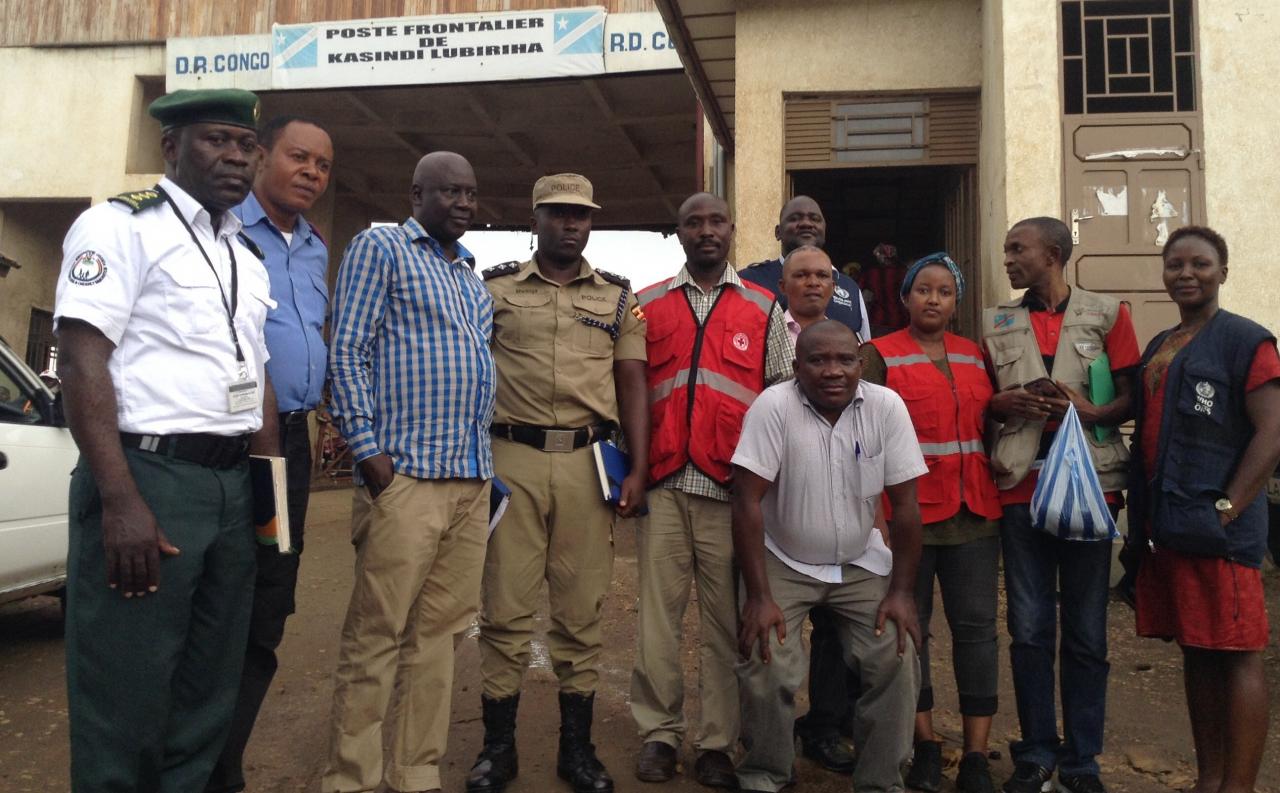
563 188
233 106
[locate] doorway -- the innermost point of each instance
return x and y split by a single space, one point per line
919 209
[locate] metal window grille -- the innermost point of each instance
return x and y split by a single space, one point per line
1128 56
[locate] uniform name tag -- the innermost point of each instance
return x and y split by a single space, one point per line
242 395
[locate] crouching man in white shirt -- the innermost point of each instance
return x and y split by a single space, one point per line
815 455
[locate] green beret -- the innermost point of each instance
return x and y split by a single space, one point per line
233 106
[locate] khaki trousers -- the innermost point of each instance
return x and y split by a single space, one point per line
686 538
885 713
557 528
419 555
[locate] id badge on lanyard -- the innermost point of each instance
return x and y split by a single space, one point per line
242 392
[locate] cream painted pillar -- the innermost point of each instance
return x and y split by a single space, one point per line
1238 64
762 52
1021 146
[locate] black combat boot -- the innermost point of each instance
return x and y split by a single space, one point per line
577 763
497 764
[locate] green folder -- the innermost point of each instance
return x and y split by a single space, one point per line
1102 389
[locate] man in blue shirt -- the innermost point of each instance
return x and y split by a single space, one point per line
801 222
413 394
294 173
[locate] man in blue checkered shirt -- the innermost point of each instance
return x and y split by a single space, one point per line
413 392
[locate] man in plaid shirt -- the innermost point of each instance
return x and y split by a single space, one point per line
413 393
713 343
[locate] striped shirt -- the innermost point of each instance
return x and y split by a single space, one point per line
779 353
409 364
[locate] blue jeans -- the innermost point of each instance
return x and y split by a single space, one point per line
1041 571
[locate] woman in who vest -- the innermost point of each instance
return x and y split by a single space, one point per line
944 383
1206 441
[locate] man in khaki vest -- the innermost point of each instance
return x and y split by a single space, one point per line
1055 331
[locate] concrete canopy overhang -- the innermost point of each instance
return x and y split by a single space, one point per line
633 135
705 35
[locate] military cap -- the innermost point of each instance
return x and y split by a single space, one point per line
233 106
563 188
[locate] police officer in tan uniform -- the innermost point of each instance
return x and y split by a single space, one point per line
569 345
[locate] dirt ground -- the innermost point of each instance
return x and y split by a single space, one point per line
1148 743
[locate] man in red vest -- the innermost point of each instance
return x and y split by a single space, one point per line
713 343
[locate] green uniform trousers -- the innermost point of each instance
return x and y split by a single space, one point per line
152 681
557 528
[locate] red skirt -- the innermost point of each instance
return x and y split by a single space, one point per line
1201 601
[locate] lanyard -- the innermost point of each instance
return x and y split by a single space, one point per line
230 308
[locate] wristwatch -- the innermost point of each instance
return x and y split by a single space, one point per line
1223 505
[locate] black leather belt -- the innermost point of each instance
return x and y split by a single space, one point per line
211 451
553 439
294 417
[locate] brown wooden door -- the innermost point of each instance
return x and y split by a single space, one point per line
1129 181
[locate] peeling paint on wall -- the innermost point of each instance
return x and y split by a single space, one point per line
1162 210
1168 152
1112 203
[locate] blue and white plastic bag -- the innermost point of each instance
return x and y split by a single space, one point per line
1068 501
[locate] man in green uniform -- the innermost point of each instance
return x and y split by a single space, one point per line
569 347
160 314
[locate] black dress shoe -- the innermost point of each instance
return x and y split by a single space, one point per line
715 769
656 762
829 752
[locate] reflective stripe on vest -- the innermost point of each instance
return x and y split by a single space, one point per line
952 357
705 377
713 380
951 447
948 419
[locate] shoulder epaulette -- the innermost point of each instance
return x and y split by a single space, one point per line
614 278
498 270
138 200
251 245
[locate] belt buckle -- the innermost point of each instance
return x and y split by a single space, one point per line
558 440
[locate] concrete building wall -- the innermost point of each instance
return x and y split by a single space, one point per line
31 234
1238 65
1020 157
992 154
832 45
68 119
69 132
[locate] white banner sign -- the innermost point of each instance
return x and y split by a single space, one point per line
218 62
638 43
453 48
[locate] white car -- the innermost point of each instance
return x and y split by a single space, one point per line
36 459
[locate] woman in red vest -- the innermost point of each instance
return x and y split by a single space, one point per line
944 382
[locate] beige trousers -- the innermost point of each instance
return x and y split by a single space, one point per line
886 709
557 528
419 555
684 539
